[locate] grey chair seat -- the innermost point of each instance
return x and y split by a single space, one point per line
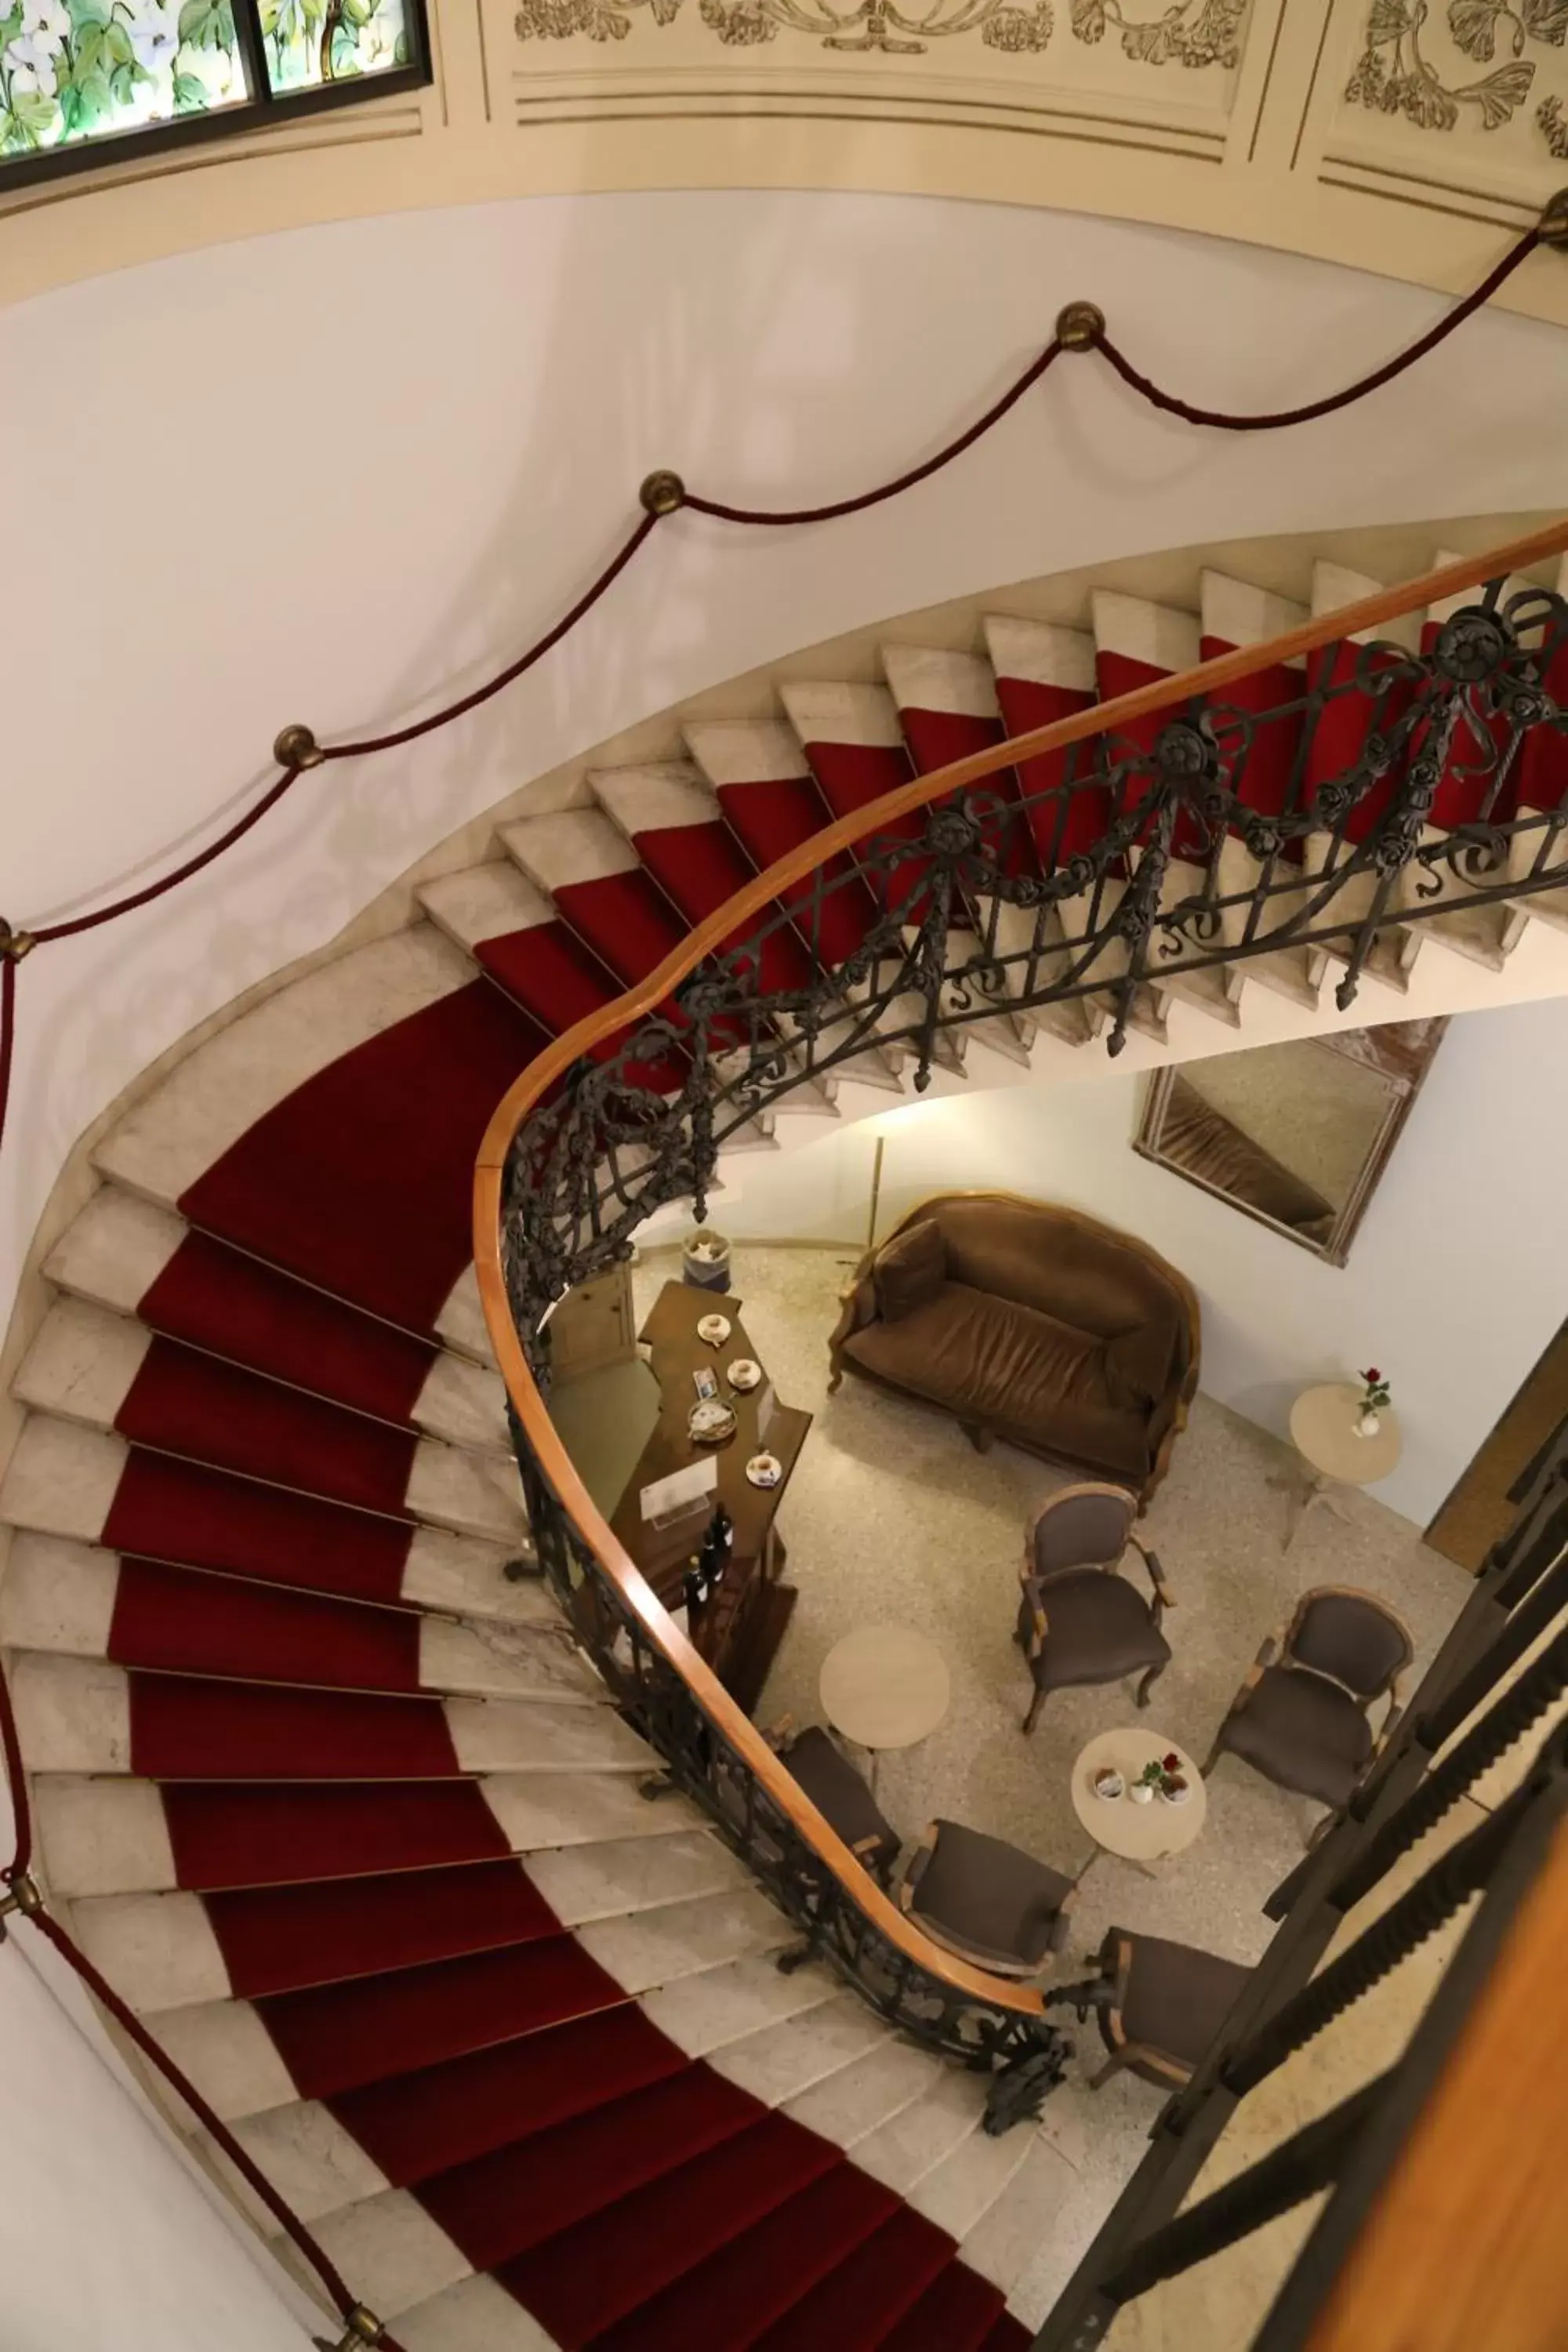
842 1796
986 1900
1177 1998
1303 1733
1098 1628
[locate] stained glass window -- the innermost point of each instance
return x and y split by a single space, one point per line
76 75
312 42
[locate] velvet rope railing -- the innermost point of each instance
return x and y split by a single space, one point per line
1080 328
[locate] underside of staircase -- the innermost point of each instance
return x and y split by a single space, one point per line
331 1797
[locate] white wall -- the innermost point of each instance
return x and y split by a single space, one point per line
324 474
1456 1278
107 2244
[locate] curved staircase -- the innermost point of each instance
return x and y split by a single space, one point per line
332 1799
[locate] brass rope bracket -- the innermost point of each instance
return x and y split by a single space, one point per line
1554 224
1079 326
662 492
362 2329
296 746
15 944
25 1895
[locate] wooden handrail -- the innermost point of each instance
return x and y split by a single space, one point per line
757 897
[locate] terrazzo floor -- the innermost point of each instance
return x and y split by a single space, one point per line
891 1516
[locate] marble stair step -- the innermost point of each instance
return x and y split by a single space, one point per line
701 2014
118 1254
314 2164
1005 2241
174 1951
394 2254
781 2061
89 1365
856 2101
476 2316
621 1876
646 1949
922 2136
960 2190
114 1836
80 1716
65 1479
82 1601
225 1085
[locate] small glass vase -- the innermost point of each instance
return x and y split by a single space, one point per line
1142 1794
1370 1423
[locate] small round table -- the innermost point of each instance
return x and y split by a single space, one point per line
884 1686
1140 1834
1323 1432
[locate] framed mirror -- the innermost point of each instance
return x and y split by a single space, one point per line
1297 1135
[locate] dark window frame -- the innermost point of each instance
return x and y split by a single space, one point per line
263 108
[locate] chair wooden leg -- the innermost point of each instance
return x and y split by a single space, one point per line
1035 1706
1317 1836
1112 2065
1147 1685
835 1379
981 1438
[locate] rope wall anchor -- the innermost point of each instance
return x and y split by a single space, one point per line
15 944
362 2328
662 492
25 1895
1079 326
296 746
1552 226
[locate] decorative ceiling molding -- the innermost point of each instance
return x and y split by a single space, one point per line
1412 136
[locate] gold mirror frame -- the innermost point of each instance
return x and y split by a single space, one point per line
1397 1052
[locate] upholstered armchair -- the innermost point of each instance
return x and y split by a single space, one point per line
1079 1620
985 1900
840 1793
1161 2005
1302 1716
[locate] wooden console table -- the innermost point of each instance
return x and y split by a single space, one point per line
738 1632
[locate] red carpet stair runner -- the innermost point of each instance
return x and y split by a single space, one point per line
332 1800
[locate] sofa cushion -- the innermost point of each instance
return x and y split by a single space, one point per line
1059 1263
1098 1628
1011 1369
910 1270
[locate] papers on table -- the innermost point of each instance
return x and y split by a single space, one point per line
682 1494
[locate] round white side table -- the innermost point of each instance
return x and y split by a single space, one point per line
1138 1832
1323 1432
884 1686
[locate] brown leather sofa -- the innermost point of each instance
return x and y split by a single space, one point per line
1029 1322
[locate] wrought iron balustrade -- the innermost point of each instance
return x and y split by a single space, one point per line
1174 838
1183 873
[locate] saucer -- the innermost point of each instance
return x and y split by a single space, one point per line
744 1374
765 1470
713 1329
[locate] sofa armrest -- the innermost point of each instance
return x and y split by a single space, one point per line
857 1308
